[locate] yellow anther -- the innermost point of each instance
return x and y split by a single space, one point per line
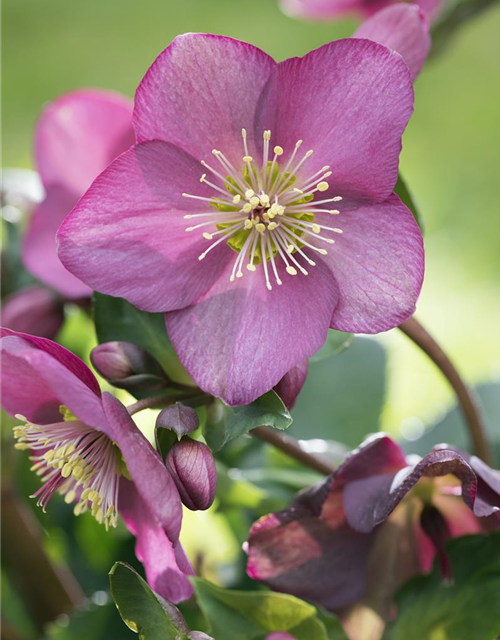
247 207
289 249
298 143
280 210
247 159
265 216
93 495
49 455
202 179
291 270
299 191
309 153
66 470
249 193
278 150
248 224
323 186
239 274
70 497
271 226
22 446
337 231
204 163
323 252
316 228
337 199
327 174
264 199
236 198
244 133
334 211
85 494
78 471
255 201
260 227
267 135
251 267
207 236
110 511
215 152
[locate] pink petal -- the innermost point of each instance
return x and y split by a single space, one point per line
147 471
153 548
127 235
33 310
200 92
39 244
290 385
239 339
349 101
79 134
403 28
38 376
378 262
322 9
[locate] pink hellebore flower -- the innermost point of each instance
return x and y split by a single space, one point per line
247 259
337 9
33 309
403 28
377 512
76 138
84 446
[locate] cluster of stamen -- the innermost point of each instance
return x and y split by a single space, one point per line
76 461
266 214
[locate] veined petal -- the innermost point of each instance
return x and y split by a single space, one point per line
239 339
78 135
200 92
153 548
127 235
147 471
378 262
403 28
349 101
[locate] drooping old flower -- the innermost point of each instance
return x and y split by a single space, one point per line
85 446
375 521
248 255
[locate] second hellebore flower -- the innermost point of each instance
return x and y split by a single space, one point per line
337 9
379 512
86 447
290 228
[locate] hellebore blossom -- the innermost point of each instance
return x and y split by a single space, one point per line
33 310
403 28
77 136
336 9
248 255
324 546
85 447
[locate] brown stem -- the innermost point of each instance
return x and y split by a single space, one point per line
291 447
160 402
416 332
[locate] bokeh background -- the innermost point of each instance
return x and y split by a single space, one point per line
450 161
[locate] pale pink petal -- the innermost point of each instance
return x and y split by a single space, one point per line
403 28
34 310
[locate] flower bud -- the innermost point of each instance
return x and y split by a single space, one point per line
128 366
192 467
178 418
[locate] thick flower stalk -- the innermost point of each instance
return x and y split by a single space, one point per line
256 209
378 512
85 447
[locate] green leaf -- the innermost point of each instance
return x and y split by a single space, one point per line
336 342
117 319
468 607
226 423
94 622
142 610
406 197
451 427
250 615
343 397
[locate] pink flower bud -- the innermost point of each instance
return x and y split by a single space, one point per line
128 366
191 465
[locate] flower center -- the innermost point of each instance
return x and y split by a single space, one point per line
77 461
266 213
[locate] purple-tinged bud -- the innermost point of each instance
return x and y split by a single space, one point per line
279 635
192 467
34 310
178 418
128 366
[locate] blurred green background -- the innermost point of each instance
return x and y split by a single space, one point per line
450 160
